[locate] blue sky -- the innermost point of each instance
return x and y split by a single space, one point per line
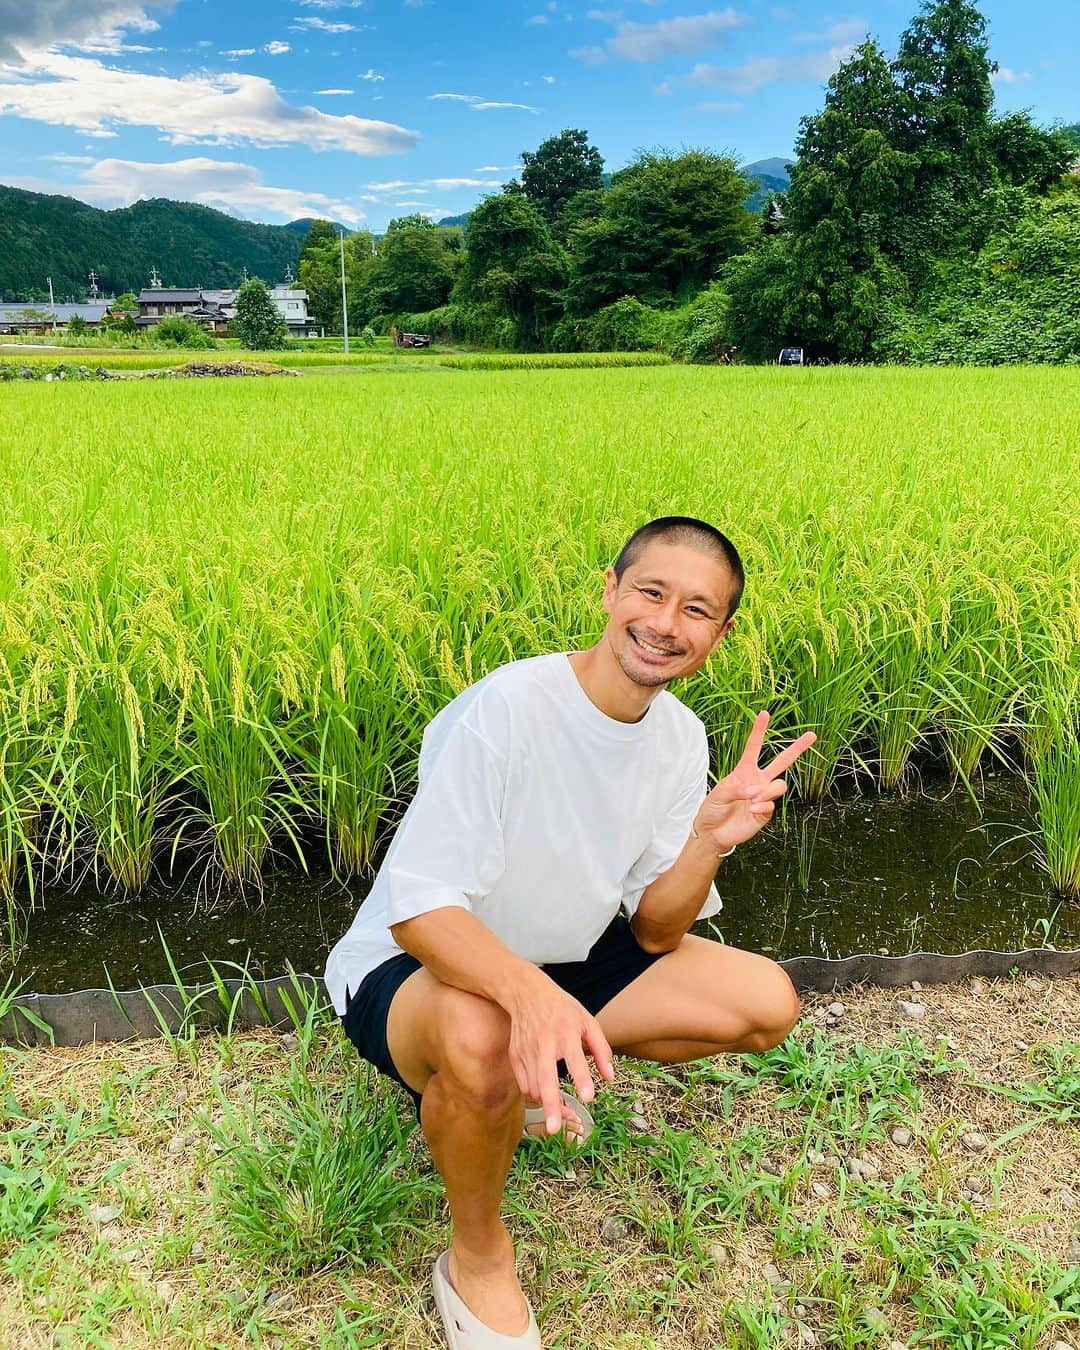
367 109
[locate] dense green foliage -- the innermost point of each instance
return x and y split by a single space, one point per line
259 323
917 225
237 654
189 245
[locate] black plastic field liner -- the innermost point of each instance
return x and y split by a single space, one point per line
90 1015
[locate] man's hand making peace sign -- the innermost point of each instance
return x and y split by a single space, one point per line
743 801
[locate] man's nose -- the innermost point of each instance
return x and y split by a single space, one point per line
666 619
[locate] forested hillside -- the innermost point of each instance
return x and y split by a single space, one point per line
190 245
918 224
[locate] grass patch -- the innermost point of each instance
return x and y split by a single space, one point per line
245 1188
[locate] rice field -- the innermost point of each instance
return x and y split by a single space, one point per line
228 609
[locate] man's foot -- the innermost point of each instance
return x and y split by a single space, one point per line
575 1131
488 1286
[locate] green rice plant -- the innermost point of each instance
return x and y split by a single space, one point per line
314 1174
293 580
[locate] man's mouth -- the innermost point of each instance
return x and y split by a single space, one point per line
650 648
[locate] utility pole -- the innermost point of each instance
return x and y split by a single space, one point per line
93 284
344 300
52 303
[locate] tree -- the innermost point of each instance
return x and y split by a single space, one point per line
558 169
413 270
665 225
258 321
1027 155
513 264
320 274
77 325
127 303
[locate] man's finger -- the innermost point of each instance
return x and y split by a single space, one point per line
786 758
597 1044
548 1095
578 1069
752 751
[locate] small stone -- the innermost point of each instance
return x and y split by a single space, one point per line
1072 1255
289 1043
978 988
897 1345
976 1185
614 1230
771 1166
773 1274
163 1289
814 1157
820 1190
916 986
910 1009
102 1214
800 1309
973 1141
1034 986
197 1251
836 1010
638 1124
1068 1200
901 1136
718 1254
831 1160
176 1145
863 1168
1023 1045
280 1300
570 1175
637 1107
1061 1345
807 1336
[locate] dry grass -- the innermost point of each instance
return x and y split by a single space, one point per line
165 1271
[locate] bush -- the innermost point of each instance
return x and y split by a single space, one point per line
477 325
702 328
367 336
625 326
183 331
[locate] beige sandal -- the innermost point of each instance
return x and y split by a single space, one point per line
534 1115
464 1330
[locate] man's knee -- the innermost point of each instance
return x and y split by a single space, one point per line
775 1007
475 1035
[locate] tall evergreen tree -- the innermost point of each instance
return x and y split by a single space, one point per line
560 168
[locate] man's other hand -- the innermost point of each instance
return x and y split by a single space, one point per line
547 1025
742 802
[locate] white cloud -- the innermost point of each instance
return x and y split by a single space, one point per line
416 184
666 37
478 104
27 27
498 168
372 75
1006 75
548 79
203 108
761 70
845 30
71 159
332 4
277 48
330 92
239 51
228 186
323 25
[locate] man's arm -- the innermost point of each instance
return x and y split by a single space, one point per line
738 806
671 903
546 1023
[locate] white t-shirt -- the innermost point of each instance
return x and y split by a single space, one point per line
538 813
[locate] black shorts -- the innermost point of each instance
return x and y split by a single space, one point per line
614 962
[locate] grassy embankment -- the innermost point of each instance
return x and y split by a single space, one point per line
229 608
873 1182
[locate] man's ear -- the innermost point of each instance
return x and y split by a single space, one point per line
610 588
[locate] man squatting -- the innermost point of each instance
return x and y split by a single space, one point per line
535 902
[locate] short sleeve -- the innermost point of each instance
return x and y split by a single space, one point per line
670 837
448 849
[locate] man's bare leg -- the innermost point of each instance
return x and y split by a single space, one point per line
450 1046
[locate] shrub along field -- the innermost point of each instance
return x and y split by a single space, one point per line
227 610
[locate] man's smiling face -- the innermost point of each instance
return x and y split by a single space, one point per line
668 613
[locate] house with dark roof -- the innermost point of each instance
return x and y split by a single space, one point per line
21 316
